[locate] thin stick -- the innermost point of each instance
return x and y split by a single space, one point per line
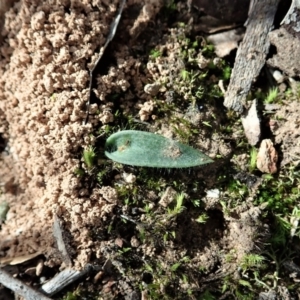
112 32
20 288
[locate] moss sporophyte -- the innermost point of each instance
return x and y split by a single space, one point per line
145 149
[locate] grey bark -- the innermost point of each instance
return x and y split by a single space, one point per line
20 288
63 279
291 22
251 54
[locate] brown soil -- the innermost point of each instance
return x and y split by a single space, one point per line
47 50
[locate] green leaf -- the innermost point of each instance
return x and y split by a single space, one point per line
245 283
145 149
175 267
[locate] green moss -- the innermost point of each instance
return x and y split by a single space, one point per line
280 194
89 156
155 53
253 158
70 296
79 172
127 193
151 180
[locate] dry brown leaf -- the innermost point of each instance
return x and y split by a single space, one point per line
19 259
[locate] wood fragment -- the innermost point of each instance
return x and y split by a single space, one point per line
39 268
63 279
58 235
292 16
251 54
291 22
20 288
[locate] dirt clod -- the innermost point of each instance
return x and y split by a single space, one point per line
286 129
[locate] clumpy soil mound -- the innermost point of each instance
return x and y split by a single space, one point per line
46 54
164 232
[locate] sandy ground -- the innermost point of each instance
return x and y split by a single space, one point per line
47 50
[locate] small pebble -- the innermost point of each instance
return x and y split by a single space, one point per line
278 76
129 178
152 88
267 157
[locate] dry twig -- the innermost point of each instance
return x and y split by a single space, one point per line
20 288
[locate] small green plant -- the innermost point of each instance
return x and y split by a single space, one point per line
252 261
124 250
79 172
294 220
207 296
185 75
208 49
282 233
53 97
145 149
230 257
70 296
272 95
202 218
196 202
178 207
155 53
89 156
253 158
226 73
168 235
101 175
